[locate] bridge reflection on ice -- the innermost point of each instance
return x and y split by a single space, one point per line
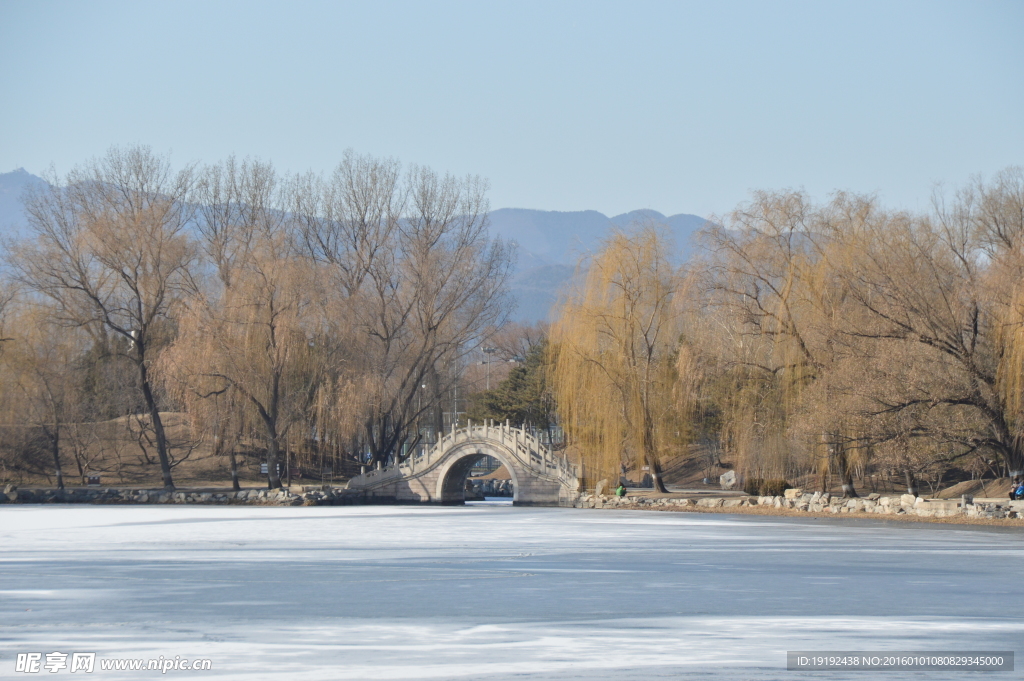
491 501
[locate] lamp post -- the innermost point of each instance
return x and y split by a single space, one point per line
489 351
419 414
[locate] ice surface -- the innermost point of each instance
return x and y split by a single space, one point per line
495 592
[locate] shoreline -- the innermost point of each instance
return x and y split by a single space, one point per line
768 512
988 513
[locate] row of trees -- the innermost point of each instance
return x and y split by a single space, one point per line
335 315
807 338
331 311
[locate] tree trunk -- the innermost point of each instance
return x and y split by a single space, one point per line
158 425
1015 457
273 456
659 484
837 453
234 469
288 464
656 478
81 469
912 487
55 447
649 454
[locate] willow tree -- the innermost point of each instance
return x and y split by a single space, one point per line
1010 378
995 213
777 341
613 350
249 343
41 376
252 347
857 331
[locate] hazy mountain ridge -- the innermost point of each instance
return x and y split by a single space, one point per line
557 237
13 222
551 243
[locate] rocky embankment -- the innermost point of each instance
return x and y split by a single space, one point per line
817 502
259 497
795 500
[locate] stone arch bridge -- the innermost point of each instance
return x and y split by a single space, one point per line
539 478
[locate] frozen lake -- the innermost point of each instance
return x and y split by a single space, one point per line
495 592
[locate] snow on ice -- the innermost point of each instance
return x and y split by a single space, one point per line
491 592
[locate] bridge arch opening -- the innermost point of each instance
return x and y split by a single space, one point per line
451 483
489 481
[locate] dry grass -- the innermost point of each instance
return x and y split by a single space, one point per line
114 450
688 469
995 489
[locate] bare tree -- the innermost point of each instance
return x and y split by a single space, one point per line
110 249
515 341
921 286
417 284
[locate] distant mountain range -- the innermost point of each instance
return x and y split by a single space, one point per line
551 243
548 237
12 212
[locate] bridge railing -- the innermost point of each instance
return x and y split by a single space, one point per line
527 448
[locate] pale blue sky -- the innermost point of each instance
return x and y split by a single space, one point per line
680 107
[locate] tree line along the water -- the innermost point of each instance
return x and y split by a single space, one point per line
324 312
826 339
334 316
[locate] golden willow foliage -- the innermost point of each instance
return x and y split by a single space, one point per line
1010 374
613 352
993 214
770 297
839 336
246 361
335 313
250 355
39 398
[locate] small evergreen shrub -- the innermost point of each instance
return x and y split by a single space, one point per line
758 487
774 488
